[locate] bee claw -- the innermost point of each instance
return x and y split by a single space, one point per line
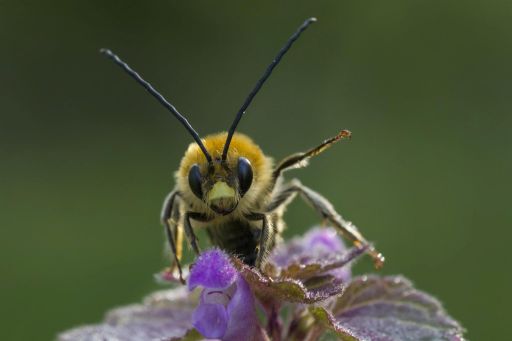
378 258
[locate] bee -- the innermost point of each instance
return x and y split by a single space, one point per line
228 186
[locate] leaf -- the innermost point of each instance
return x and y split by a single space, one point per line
318 252
191 335
163 315
321 266
388 309
287 289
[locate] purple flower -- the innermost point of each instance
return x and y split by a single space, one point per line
305 289
226 308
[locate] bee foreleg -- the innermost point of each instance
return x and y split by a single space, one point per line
189 231
170 217
299 160
267 237
327 211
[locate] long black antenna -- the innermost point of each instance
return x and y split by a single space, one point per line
261 81
160 99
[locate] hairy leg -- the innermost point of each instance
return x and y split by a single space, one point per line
284 196
267 237
170 217
189 231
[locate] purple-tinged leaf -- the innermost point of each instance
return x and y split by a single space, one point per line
162 316
388 309
336 265
191 335
319 251
287 289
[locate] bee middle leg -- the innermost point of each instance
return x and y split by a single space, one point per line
170 217
327 211
267 237
189 231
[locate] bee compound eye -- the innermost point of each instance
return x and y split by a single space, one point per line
244 175
194 181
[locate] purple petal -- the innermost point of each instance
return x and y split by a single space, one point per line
211 320
212 269
215 296
242 314
318 244
323 240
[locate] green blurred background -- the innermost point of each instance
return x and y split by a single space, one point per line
87 156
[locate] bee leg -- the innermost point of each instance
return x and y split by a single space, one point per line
189 231
327 211
170 217
267 237
299 160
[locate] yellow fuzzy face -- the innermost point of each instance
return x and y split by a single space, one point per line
222 186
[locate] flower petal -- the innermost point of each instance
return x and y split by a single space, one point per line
211 320
323 240
316 245
212 269
215 296
242 314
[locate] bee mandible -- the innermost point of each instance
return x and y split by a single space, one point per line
226 185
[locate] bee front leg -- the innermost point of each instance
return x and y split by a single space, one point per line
327 211
170 217
189 231
267 237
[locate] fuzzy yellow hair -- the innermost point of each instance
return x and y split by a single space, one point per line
241 146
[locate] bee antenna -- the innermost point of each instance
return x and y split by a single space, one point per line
160 99
262 80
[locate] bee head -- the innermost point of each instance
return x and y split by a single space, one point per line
223 180
221 185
